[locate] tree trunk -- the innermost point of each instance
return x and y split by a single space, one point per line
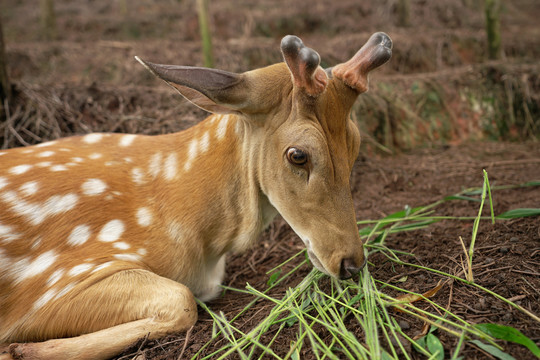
493 28
202 9
48 19
5 87
404 13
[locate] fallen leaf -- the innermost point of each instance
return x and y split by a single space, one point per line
410 298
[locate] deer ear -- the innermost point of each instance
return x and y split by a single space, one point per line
212 90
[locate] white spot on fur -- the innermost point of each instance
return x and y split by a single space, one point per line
102 266
221 130
128 159
44 299
24 269
127 140
22 207
29 188
65 290
2 153
44 164
36 242
7 234
92 187
5 261
112 195
154 167
137 176
238 128
79 235
59 203
193 151
92 138
80 269
45 154
111 231
175 231
55 277
205 142
171 166
95 156
58 168
120 245
142 252
36 213
49 143
77 159
19 169
144 216
3 182
128 257
65 150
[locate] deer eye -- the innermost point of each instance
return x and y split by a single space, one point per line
297 156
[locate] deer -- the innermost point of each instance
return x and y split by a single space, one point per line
108 238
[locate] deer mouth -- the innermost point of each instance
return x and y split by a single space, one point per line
316 262
314 259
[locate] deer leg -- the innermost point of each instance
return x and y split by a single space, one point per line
4 348
112 314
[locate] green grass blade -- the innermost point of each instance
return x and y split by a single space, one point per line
413 226
518 213
461 197
493 350
490 198
458 347
476 223
509 334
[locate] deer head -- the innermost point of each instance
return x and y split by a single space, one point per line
301 144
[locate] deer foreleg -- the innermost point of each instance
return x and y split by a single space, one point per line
126 306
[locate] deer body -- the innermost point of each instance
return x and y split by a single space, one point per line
105 238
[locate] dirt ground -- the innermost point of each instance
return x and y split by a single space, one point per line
86 80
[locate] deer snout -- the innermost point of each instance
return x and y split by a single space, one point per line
349 268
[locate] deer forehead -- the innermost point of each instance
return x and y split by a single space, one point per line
318 124
327 112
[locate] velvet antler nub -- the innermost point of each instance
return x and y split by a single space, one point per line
303 62
376 52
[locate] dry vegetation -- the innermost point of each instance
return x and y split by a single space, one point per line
437 88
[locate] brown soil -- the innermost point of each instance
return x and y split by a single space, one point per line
86 80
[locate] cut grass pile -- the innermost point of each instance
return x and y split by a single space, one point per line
366 303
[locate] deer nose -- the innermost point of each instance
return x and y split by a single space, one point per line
349 268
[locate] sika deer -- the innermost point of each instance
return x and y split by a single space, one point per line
105 238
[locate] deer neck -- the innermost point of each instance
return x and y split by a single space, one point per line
217 200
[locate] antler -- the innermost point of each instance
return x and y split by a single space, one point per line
303 62
373 54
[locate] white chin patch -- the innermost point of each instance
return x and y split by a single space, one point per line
316 262
314 259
